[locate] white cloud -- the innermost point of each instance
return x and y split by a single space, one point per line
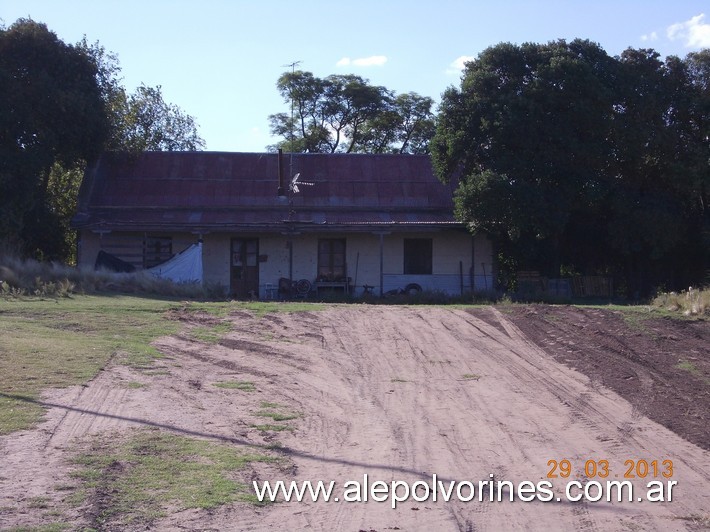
374 60
458 64
694 32
653 36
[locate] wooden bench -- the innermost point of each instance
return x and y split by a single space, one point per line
344 285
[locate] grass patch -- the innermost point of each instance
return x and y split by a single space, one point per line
277 416
63 342
223 309
50 527
152 372
276 412
261 308
135 385
38 502
689 367
470 377
397 379
211 334
136 481
244 386
272 427
636 317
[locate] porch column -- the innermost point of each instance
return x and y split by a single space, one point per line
382 263
289 234
382 259
290 257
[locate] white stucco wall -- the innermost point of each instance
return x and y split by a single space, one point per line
484 272
215 258
88 247
453 252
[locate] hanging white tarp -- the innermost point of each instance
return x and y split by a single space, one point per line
185 267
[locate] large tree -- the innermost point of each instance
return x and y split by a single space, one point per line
52 113
149 123
345 113
527 133
569 157
63 105
406 125
645 211
142 120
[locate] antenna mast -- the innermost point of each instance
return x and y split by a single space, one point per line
293 71
293 66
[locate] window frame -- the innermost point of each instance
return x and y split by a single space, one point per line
328 269
156 250
418 256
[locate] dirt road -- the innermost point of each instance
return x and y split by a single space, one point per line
397 393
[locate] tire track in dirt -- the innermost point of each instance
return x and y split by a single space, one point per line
398 393
585 403
400 376
661 365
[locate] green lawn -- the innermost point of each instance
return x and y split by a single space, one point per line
55 343
136 477
62 342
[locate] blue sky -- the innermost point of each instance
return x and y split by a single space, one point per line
219 60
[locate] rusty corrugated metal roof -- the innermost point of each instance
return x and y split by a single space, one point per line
225 191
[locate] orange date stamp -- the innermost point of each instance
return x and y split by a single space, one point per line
602 469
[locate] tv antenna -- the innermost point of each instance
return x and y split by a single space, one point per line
295 182
293 66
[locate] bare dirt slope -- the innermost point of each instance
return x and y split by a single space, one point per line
660 365
398 393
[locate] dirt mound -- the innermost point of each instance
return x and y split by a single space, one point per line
660 365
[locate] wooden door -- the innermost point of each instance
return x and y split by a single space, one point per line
245 268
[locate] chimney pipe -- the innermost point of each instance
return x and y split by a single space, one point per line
280 192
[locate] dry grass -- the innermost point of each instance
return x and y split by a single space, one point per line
23 278
693 302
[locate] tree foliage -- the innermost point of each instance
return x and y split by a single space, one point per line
149 123
142 120
62 106
344 113
571 158
52 113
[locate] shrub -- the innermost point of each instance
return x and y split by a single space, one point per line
693 302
